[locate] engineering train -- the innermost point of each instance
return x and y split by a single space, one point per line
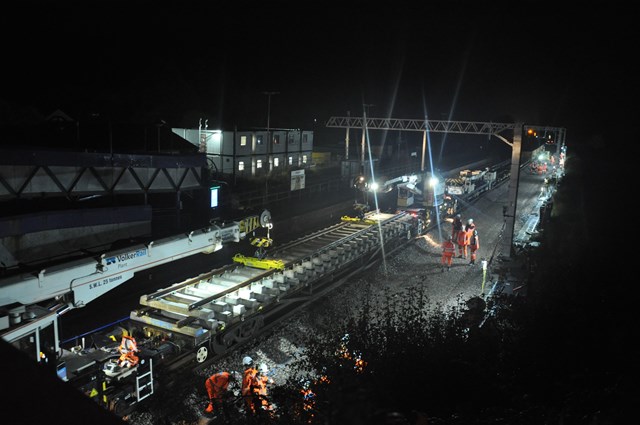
194 321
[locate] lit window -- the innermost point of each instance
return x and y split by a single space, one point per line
259 140
243 140
276 139
259 163
304 159
276 162
240 165
214 196
290 160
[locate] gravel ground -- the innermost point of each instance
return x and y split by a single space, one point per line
417 264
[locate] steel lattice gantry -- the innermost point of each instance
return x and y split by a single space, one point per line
466 127
436 126
55 173
42 193
458 127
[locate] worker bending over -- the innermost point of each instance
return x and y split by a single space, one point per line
217 386
128 349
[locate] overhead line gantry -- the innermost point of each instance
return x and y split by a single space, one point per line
459 127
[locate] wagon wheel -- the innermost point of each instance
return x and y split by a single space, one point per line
202 353
247 329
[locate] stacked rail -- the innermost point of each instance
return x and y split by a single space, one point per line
228 305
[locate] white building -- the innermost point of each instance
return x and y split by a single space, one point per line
250 153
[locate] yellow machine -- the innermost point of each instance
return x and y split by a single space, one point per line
259 263
357 220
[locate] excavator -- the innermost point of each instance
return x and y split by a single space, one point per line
419 194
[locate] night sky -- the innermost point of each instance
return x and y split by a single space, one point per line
146 61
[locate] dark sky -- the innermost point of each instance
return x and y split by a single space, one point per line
536 62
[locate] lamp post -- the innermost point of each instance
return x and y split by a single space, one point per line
269 94
365 109
269 141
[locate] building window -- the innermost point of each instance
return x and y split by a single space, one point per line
276 162
290 160
291 139
243 140
304 138
304 159
259 140
259 163
240 165
276 139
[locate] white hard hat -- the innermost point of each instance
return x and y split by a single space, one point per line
263 368
470 221
247 361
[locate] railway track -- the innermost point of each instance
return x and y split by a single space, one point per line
311 245
305 249
215 313
192 324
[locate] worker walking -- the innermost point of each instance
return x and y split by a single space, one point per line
474 245
469 230
249 384
463 242
217 386
448 251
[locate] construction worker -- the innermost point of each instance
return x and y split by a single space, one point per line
463 241
263 380
471 226
456 226
249 384
217 386
448 251
128 349
474 244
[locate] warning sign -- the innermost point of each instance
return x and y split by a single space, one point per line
297 180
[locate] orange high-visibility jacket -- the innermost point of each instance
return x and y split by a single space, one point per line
261 389
128 344
448 248
474 240
470 229
217 384
248 381
463 238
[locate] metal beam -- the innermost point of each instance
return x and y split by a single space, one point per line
514 178
462 127
434 126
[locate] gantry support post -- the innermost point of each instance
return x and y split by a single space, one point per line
511 208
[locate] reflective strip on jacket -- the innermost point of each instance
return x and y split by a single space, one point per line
448 248
463 238
217 384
